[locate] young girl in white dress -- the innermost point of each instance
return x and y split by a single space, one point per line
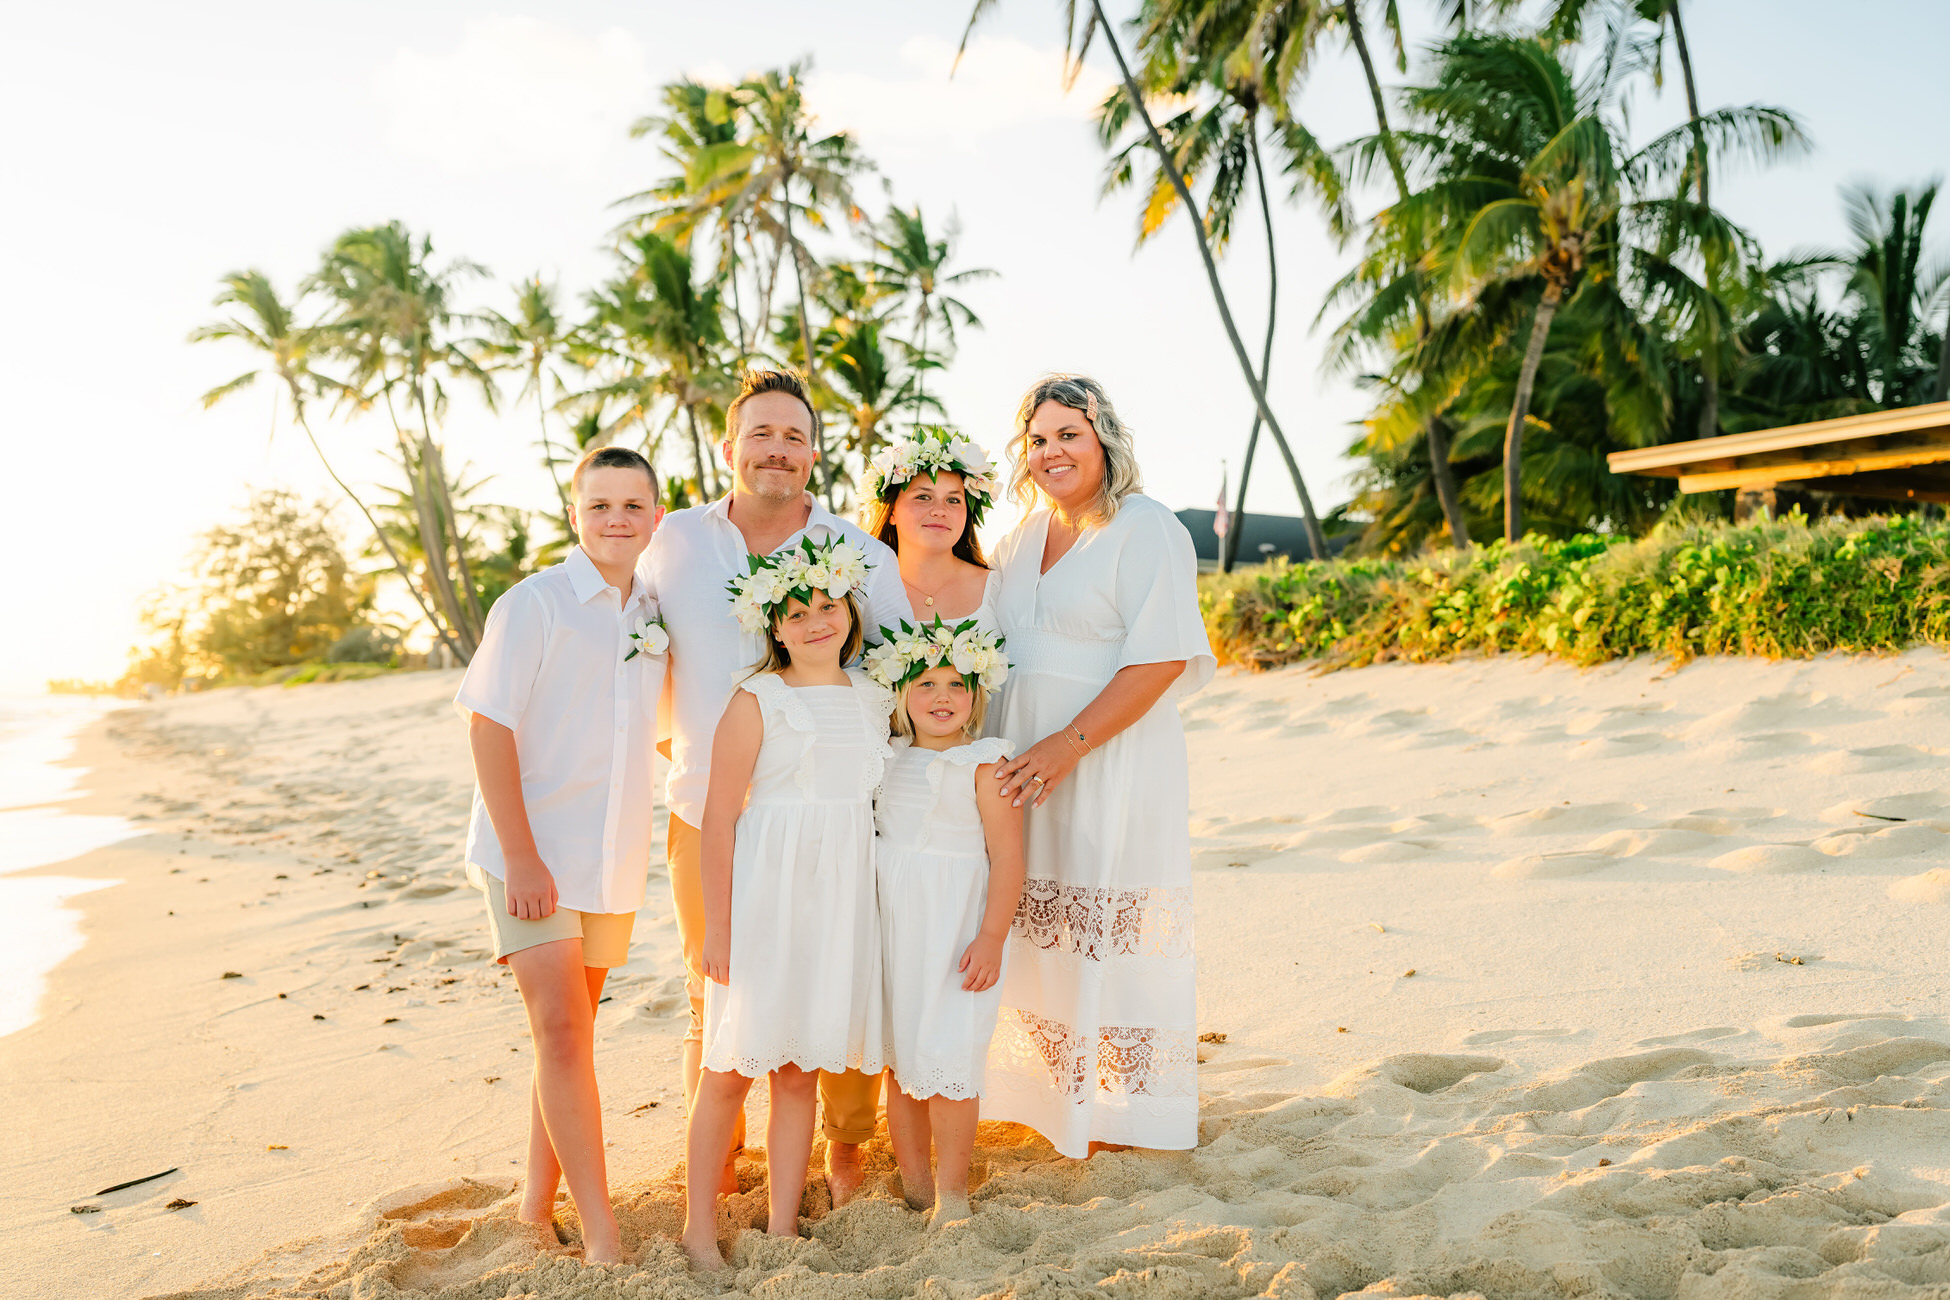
791 940
949 862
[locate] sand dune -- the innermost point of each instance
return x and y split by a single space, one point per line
1522 981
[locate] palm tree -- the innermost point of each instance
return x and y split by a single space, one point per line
533 341
263 321
394 328
871 383
1316 540
1191 48
914 264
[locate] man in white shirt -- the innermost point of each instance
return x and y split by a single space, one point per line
770 432
561 703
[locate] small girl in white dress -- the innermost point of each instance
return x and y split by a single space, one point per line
791 938
949 862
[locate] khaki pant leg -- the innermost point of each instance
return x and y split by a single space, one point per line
685 852
850 1103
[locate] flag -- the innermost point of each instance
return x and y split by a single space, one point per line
1221 517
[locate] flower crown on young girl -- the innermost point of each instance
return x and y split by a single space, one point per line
795 572
930 450
904 655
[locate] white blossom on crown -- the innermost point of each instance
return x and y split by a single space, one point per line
836 568
932 450
905 653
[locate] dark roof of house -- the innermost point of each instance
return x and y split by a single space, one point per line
1265 536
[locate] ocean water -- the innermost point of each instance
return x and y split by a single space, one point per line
37 928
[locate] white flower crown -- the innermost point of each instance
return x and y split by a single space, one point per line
904 655
835 568
930 450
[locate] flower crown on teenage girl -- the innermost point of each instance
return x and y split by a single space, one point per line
836 568
904 655
930 450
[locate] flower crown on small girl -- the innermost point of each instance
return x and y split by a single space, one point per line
904 655
930 450
795 572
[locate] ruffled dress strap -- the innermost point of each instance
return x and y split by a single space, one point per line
989 749
777 700
877 709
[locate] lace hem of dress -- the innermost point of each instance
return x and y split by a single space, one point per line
937 1083
754 1066
1134 1060
1096 923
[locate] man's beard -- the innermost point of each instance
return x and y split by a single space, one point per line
772 486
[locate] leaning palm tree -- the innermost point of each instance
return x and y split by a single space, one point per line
262 320
915 265
1094 22
1193 49
533 342
394 328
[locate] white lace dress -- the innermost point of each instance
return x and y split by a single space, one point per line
1098 1039
933 866
805 985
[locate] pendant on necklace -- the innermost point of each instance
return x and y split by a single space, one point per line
930 600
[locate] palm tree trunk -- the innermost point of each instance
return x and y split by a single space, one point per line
430 456
1316 540
399 565
548 452
1443 475
1709 386
921 375
1358 38
1692 101
1533 356
697 448
1229 544
1943 365
806 340
432 545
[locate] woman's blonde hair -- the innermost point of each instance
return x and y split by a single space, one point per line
777 658
1079 393
978 709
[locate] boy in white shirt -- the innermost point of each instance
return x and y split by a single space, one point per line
561 705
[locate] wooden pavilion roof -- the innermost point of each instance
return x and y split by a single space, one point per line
1903 454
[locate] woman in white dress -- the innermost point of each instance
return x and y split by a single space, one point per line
925 496
1097 1044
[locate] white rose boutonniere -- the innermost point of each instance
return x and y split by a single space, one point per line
648 637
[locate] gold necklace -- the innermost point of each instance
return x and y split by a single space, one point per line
928 601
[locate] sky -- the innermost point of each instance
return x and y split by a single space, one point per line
150 149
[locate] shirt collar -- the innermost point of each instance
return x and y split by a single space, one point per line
818 516
587 581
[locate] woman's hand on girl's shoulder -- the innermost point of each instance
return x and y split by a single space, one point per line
981 964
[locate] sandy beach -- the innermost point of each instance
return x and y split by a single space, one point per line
1518 980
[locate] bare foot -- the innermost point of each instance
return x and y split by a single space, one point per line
918 1194
778 1228
950 1207
846 1170
703 1253
728 1184
609 1252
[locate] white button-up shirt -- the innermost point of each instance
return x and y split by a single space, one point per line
694 554
550 668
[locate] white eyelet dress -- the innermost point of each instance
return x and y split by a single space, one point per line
805 985
933 866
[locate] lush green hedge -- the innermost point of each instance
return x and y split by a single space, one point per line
1779 588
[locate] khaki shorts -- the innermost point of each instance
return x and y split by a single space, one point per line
605 935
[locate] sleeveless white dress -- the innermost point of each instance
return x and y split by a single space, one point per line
1099 1027
805 986
933 867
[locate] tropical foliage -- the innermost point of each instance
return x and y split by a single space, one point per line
748 189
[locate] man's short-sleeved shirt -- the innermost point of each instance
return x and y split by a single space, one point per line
551 669
694 554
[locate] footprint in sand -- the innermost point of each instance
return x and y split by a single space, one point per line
1722 821
1552 866
1491 1037
1650 842
1890 842
1615 719
1771 860
1630 745
1391 851
1877 758
1565 819
1933 886
1689 1037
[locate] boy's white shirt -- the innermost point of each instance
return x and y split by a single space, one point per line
550 668
695 553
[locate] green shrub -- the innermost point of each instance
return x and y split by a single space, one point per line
1777 587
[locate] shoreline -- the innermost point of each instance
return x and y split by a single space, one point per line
1501 954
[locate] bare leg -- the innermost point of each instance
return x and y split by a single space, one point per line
788 1145
693 1064
954 1144
544 1170
717 1106
908 1127
555 990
